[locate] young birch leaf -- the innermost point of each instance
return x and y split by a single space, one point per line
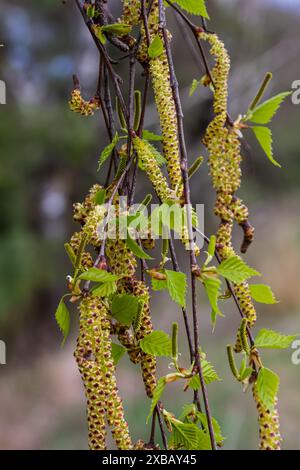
158 284
189 437
236 270
99 33
62 316
262 293
273 340
136 249
209 374
90 11
264 137
104 290
147 135
195 7
216 427
263 113
100 196
108 151
117 28
124 308
98 275
267 387
194 86
176 284
157 343
117 352
212 286
211 249
161 384
156 47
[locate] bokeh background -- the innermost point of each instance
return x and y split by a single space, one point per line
48 161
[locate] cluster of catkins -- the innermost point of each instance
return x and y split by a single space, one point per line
94 345
223 144
222 140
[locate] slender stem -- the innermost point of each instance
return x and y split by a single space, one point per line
161 426
152 434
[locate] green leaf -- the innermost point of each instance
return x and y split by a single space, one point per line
188 436
264 137
107 151
117 352
147 135
267 387
236 270
156 47
176 284
216 427
98 275
99 34
274 340
244 371
159 284
157 343
263 113
136 249
100 196
194 86
195 7
104 290
124 308
159 389
209 374
62 316
212 246
212 286
90 11
262 293
117 28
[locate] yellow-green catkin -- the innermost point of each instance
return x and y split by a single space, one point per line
92 380
131 12
269 432
160 75
122 262
224 147
114 406
159 70
154 173
79 105
94 359
224 161
148 362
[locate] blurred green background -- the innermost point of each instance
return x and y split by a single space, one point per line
48 161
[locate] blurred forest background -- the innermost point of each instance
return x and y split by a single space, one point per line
48 161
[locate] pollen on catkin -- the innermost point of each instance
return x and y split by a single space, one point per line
154 173
94 359
148 362
79 105
269 432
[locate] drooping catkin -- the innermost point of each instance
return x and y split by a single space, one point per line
224 161
94 359
269 432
